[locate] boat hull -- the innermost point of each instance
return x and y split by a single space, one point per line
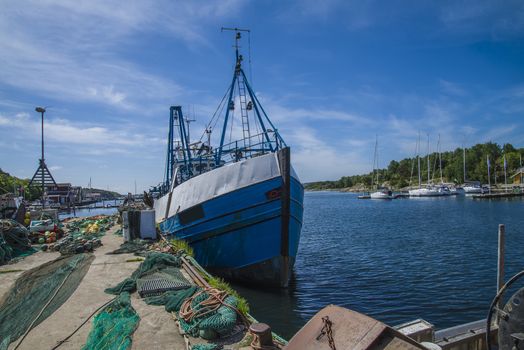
425 192
250 233
381 195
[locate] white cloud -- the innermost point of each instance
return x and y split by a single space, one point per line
63 131
314 159
484 18
69 50
452 88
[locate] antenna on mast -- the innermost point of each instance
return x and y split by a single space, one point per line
238 36
189 120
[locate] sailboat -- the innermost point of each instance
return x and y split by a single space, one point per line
428 191
239 204
443 189
380 193
469 187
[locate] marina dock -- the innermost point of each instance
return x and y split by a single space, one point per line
71 324
498 195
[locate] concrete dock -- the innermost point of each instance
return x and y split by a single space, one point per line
105 271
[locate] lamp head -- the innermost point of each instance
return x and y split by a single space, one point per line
40 109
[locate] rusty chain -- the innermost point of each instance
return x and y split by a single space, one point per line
326 330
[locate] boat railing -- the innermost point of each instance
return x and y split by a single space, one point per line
254 146
204 158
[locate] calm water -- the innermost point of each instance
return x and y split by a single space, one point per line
80 213
431 258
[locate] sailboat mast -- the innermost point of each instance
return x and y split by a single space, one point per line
489 175
464 161
418 160
428 159
376 151
374 164
440 160
505 178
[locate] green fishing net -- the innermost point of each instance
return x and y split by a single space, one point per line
173 299
35 288
154 262
14 241
219 322
114 326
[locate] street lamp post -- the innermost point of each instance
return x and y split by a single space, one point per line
42 174
42 161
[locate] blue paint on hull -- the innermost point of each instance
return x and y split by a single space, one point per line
239 235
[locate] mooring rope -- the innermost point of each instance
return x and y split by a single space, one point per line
216 298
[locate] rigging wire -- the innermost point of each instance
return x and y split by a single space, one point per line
233 98
249 56
215 114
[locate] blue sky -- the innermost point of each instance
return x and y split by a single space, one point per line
331 74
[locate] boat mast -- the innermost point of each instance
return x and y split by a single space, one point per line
505 178
428 160
440 160
245 91
489 175
418 160
464 161
375 163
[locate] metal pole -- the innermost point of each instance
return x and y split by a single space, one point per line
428 160
489 176
505 176
464 163
440 160
42 160
500 265
418 159
42 135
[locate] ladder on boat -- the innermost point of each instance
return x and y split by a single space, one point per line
244 112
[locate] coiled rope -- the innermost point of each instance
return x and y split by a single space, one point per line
215 299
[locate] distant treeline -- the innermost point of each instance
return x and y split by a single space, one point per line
404 173
11 184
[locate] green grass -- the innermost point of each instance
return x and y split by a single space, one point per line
219 283
179 244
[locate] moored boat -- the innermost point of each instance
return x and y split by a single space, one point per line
425 192
382 194
472 188
239 205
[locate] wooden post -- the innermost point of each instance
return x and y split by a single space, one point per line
500 266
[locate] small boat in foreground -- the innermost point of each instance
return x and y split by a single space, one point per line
239 204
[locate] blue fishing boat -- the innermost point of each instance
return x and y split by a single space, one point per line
239 203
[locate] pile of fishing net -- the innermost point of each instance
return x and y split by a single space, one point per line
83 235
14 241
114 325
208 313
38 293
154 262
136 246
93 226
